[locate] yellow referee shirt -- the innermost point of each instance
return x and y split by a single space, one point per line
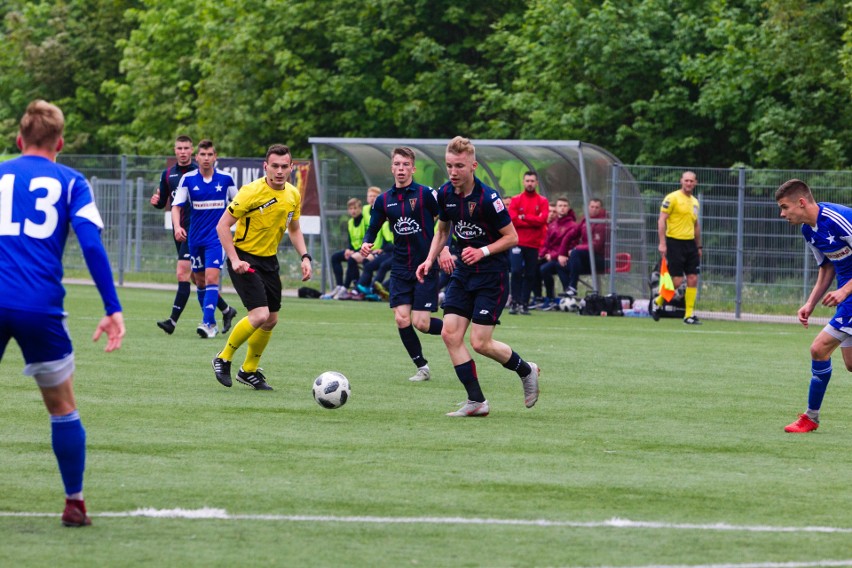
263 215
683 214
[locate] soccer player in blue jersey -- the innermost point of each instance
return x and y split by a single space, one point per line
410 209
479 285
207 191
827 229
39 200
169 180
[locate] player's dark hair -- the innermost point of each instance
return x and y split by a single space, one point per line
184 138
42 124
794 188
206 145
278 150
563 198
530 173
405 152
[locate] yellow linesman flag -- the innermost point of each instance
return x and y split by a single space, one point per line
667 289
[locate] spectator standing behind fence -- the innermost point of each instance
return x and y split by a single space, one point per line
262 211
579 259
528 211
169 180
206 192
562 231
477 291
680 244
410 210
827 230
40 200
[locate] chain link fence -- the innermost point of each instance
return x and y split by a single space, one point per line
755 265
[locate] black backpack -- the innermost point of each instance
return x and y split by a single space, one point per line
596 305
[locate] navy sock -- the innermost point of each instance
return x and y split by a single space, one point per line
69 446
820 375
466 373
181 298
435 326
222 304
412 344
515 363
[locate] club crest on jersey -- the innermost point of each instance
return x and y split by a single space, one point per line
471 207
839 254
412 202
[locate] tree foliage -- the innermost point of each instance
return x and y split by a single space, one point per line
706 83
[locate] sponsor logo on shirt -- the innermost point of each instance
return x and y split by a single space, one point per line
468 231
272 201
211 204
406 226
839 254
498 204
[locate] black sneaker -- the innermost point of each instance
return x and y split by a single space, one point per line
692 320
167 325
222 369
254 379
513 309
524 311
655 311
227 317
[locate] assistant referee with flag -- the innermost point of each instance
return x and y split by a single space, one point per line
680 243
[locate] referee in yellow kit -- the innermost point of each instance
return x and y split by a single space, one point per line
680 243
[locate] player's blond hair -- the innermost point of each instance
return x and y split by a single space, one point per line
374 190
794 188
461 145
42 125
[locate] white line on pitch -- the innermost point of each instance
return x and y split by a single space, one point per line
618 523
815 564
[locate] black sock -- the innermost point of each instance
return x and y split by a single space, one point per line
466 373
412 344
222 304
435 326
515 363
181 298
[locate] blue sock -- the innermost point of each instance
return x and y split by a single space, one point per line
180 300
211 298
200 293
69 445
820 375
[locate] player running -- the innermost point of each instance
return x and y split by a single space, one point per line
479 285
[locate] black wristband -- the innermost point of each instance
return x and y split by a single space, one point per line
309 257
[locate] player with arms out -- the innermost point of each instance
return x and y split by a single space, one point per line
39 200
206 192
410 209
827 229
262 211
169 180
479 284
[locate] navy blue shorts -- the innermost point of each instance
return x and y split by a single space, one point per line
477 297
182 249
406 290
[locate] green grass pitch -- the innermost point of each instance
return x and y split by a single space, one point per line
651 444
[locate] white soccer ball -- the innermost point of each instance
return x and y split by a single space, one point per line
331 389
569 304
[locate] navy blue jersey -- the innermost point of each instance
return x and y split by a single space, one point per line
477 220
39 200
832 239
410 212
169 180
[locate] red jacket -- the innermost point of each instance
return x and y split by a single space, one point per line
600 235
557 231
535 209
